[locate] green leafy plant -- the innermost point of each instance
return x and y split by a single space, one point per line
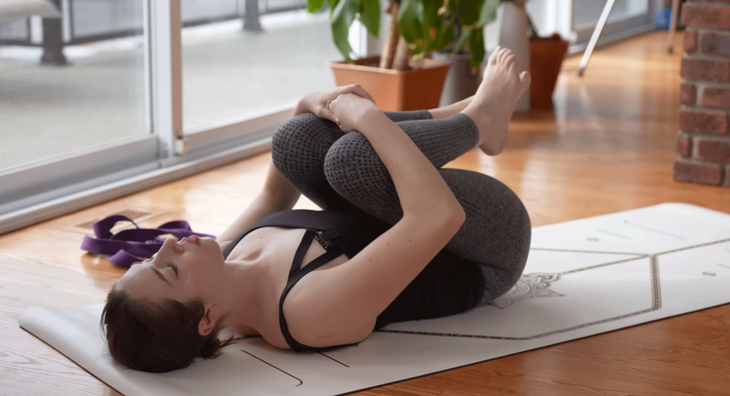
426 25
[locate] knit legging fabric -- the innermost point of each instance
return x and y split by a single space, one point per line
341 171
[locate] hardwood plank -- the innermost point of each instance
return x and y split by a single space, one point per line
608 146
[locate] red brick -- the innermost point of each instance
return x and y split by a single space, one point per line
715 97
727 176
687 94
706 15
714 43
690 40
712 150
705 70
684 144
697 172
700 121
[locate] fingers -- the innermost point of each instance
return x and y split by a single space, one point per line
327 114
332 108
359 91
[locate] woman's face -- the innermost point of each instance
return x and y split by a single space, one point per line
181 270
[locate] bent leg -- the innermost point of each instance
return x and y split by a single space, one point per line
497 230
299 148
496 233
355 171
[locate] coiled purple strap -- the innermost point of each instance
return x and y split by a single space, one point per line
129 246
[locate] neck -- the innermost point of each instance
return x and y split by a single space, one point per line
239 303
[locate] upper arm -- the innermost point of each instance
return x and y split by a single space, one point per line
276 195
353 294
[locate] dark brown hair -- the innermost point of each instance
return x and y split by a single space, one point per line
157 337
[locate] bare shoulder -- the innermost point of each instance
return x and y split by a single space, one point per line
319 325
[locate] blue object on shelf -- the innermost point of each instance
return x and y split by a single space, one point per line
662 19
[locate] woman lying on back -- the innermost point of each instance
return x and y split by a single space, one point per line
398 238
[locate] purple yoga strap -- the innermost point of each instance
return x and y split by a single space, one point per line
129 246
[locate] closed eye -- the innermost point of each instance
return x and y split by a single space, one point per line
174 268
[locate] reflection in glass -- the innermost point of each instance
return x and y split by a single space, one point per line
587 12
47 112
229 72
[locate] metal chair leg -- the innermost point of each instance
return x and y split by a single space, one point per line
596 35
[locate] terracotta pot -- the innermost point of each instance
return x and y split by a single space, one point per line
395 90
546 57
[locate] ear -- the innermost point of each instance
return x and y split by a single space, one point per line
210 318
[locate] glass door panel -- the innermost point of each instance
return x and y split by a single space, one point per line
50 112
232 70
587 12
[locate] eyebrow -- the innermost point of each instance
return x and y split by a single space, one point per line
159 275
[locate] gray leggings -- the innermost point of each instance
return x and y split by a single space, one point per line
342 172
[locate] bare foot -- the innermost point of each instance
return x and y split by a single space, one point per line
495 100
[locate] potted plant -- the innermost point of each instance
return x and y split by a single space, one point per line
403 78
546 58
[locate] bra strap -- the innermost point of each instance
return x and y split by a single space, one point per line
301 251
296 273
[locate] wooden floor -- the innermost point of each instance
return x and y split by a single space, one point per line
607 147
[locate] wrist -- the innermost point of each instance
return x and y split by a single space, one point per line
367 113
301 107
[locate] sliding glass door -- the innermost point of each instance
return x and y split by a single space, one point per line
627 18
100 98
575 20
72 109
252 64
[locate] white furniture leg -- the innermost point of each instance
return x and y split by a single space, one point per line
672 26
596 35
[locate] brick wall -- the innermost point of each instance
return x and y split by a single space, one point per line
703 142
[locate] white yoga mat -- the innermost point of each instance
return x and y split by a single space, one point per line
583 277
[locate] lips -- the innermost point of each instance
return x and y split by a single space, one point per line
194 239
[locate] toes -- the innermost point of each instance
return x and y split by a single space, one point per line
493 56
501 55
525 79
507 54
510 60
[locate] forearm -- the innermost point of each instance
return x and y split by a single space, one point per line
420 187
277 195
260 208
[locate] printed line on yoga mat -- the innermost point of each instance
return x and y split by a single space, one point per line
333 359
654 230
265 362
614 234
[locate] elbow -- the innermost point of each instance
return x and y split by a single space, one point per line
458 216
453 217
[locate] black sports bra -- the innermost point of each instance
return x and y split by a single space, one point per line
448 285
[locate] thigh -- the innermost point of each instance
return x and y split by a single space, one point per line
298 150
497 230
355 171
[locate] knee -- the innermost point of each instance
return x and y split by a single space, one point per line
292 133
351 160
303 141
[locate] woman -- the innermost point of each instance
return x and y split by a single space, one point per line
398 238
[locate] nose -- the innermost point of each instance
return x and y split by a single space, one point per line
171 244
